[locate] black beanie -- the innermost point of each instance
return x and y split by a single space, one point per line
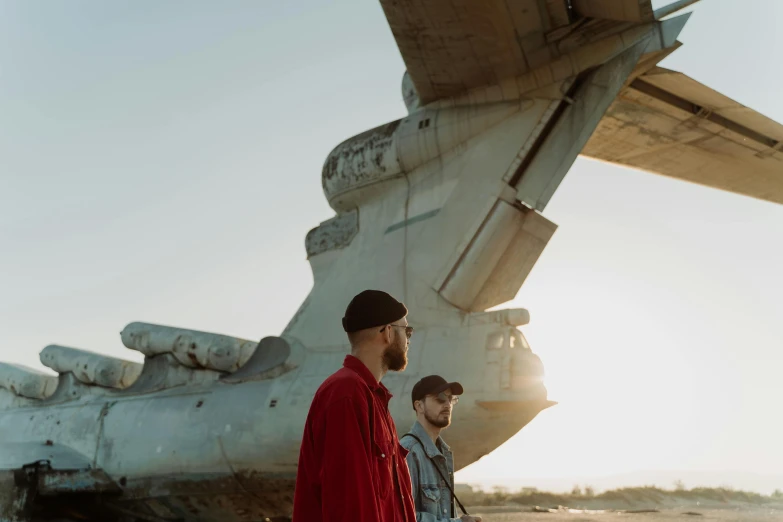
372 308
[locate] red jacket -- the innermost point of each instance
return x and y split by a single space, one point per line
351 469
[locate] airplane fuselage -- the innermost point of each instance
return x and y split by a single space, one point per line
229 449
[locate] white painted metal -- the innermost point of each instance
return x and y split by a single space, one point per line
668 123
14 455
442 210
26 382
9 399
569 135
353 169
91 368
497 261
190 348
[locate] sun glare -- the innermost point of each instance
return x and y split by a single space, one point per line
624 391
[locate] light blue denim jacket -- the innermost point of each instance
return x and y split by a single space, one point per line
430 494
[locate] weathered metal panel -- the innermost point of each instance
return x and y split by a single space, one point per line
477 172
499 258
585 49
672 125
26 382
164 371
622 10
563 143
79 481
90 367
272 354
38 491
508 38
514 266
508 317
192 348
354 169
687 88
9 399
14 502
475 267
359 161
15 455
69 388
559 14
505 37
333 234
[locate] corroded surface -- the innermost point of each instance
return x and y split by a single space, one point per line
191 348
234 497
508 38
672 125
89 367
361 160
26 382
333 234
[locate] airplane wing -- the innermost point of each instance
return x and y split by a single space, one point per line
707 138
669 124
505 38
622 10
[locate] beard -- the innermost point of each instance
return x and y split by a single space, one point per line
395 358
438 422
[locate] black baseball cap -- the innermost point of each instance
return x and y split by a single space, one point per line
433 385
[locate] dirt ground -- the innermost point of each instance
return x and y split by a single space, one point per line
690 513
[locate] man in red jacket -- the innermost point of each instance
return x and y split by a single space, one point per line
351 465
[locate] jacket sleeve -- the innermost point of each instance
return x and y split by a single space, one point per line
348 493
421 516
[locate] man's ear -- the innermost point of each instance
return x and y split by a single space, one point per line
387 334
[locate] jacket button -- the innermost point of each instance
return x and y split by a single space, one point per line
383 455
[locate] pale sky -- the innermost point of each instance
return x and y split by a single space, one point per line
161 162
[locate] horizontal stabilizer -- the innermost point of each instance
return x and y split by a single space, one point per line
452 46
669 124
621 10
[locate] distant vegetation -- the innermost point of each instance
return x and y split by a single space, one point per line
579 496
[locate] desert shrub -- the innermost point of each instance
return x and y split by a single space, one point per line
627 496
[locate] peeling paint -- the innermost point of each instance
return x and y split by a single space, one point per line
333 234
363 159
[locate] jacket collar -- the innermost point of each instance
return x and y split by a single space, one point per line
429 446
353 363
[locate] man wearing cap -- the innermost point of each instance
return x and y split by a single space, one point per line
351 466
430 460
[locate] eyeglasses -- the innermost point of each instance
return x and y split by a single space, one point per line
442 398
408 329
